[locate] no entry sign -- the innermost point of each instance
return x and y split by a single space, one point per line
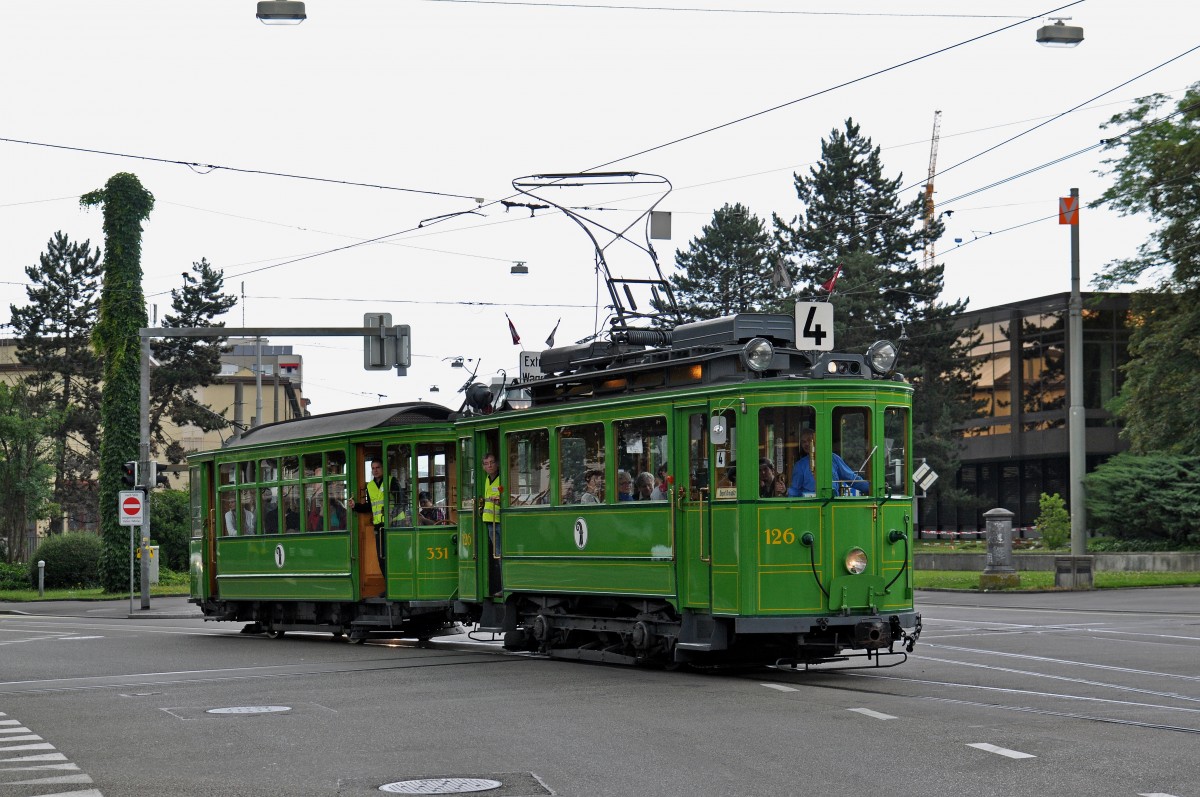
131 504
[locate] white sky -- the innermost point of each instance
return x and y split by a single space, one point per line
462 97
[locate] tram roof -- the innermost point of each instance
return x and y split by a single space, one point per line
345 422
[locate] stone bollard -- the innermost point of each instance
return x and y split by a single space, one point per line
999 569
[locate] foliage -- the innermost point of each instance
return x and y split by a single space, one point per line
72 560
1054 521
1154 175
1150 497
853 218
14 575
122 313
727 269
188 363
1113 545
26 451
54 342
1044 579
170 527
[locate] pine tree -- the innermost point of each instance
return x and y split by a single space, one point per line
188 363
54 341
27 449
122 313
853 218
727 269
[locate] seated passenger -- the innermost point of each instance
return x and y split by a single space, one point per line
567 494
845 480
643 486
624 486
429 515
661 485
770 482
594 490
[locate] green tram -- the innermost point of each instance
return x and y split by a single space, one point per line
709 494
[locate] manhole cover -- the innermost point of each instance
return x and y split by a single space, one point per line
249 710
441 786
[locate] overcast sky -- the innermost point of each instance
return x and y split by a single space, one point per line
437 102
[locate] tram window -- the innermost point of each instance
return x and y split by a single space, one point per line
195 501
852 442
245 520
314 507
247 473
269 504
528 467
289 502
434 467
225 474
725 457
779 442
581 451
466 456
399 476
312 465
337 506
641 451
697 456
335 463
291 469
895 443
268 470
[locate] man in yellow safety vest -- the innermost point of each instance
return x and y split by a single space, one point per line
491 518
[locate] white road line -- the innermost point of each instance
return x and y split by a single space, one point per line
14 730
868 712
60 779
67 766
81 793
40 757
780 687
1154 794
991 748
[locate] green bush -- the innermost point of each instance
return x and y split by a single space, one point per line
1054 522
14 576
170 527
72 560
1147 497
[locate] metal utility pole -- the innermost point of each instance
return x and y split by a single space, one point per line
1076 421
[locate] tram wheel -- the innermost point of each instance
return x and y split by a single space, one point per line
275 633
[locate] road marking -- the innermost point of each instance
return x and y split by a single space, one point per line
73 638
991 748
868 712
780 687
1154 794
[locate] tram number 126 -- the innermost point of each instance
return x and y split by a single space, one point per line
780 536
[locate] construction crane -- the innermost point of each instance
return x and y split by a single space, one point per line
927 260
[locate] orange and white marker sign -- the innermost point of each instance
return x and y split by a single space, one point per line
1068 210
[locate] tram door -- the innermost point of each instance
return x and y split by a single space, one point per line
479 569
691 505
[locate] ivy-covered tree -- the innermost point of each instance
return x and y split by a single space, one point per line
1155 175
26 453
187 363
853 217
727 269
126 205
54 342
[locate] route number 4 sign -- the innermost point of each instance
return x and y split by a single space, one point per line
814 326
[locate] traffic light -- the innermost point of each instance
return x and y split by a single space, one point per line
129 473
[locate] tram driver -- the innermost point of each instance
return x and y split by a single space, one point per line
804 483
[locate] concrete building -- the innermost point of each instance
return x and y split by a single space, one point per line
1017 448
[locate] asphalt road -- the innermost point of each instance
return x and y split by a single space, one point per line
1007 694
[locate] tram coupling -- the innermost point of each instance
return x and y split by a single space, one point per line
909 640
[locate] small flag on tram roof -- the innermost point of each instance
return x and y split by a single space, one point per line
513 331
550 340
829 286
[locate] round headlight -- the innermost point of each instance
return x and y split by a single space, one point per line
757 354
882 356
856 561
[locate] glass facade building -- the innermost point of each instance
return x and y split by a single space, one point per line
1016 448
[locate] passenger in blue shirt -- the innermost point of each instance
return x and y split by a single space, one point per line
844 478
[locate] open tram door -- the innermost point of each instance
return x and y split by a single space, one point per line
479 550
703 503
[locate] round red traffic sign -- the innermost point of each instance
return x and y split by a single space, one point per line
132 505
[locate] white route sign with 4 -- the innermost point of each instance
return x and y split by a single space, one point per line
814 326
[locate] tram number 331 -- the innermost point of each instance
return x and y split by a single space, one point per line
437 553
780 536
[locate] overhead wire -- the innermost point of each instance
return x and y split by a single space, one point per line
698 9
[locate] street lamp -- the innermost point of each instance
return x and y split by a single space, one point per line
1059 34
519 267
281 12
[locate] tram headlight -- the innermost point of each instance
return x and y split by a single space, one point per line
856 561
758 354
882 356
